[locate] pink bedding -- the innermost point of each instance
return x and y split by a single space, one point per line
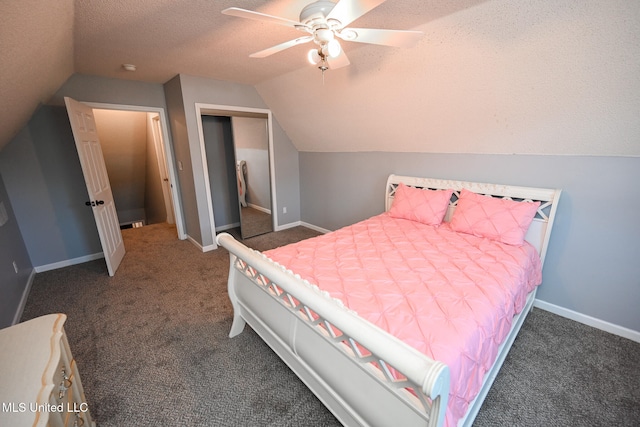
450 295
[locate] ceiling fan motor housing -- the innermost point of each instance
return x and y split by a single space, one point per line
316 11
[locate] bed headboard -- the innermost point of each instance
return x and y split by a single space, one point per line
540 228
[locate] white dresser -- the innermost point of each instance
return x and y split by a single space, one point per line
39 380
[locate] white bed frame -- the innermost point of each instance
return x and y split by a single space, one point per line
299 321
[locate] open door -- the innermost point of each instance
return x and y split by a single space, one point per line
95 175
162 167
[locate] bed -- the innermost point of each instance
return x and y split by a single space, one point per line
363 367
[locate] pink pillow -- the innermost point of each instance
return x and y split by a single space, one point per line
505 221
425 206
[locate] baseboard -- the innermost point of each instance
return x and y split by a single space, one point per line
68 262
588 320
304 224
199 246
259 208
315 227
23 299
287 226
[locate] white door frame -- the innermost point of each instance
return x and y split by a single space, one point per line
161 159
234 111
168 153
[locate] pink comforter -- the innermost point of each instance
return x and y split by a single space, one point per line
450 295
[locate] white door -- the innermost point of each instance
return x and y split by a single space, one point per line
162 167
85 134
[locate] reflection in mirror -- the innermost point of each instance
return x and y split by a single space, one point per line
251 140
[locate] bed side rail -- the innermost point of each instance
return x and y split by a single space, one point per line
365 343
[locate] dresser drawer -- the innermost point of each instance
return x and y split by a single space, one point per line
41 380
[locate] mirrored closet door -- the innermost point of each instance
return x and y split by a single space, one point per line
251 146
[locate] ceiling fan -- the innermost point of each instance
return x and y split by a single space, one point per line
325 22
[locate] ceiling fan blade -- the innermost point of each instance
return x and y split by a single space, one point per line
397 38
257 16
339 61
280 47
347 11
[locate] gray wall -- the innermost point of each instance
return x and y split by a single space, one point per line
218 140
44 181
182 157
182 93
592 263
130 156
87 88
45 189
43 177
12 249
123 137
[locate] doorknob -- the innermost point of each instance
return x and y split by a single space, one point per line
95 203
99 202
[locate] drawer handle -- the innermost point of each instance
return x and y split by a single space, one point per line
65 384
79 421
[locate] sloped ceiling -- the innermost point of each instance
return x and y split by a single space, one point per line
489 76
502 77
43 42
36 57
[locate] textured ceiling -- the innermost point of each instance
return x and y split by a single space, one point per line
43 42
489 76
36 57
167 37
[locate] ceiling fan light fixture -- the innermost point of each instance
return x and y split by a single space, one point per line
314 57
332 49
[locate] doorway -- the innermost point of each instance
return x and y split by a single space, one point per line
144 184
232 112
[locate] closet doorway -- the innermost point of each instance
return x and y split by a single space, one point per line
237 153
137 156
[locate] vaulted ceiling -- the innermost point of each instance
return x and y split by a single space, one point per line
489 76
43 42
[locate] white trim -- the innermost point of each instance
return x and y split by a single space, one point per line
168 152
287 226
205 172
588 320
153 119
199 246
209 248
233 111
68 262
23 299
303 224
315 227
259 208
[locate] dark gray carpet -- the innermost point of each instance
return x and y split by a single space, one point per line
152 348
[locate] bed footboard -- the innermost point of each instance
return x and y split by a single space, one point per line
364 375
